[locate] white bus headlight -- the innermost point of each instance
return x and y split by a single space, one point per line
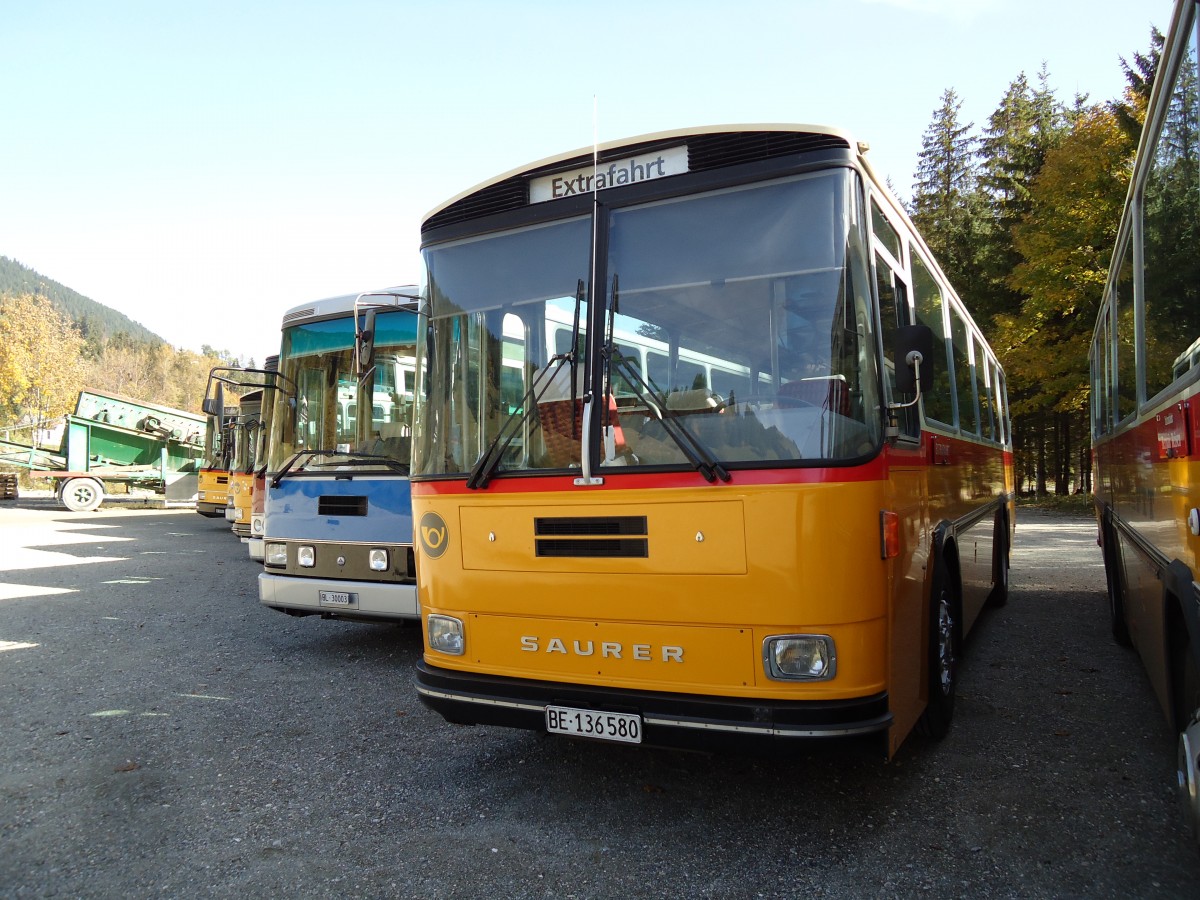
256 525
306 556
445 634
799 657
275 555
378 560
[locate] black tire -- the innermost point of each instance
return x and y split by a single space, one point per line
81 494
1116 588
1187 680
999 595
943 657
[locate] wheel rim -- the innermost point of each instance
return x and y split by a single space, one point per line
83 495
945 642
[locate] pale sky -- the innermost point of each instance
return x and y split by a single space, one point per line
203 167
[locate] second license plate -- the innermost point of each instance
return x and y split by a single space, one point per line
338 598
592 723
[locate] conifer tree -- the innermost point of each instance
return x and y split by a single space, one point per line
1027 123
946 196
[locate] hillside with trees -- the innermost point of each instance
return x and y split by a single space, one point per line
95 321
54 342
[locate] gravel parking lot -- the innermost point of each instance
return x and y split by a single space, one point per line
163 735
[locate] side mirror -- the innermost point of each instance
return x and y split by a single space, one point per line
289 419
914 344
215 405
364 344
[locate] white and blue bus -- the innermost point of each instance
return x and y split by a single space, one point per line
338 512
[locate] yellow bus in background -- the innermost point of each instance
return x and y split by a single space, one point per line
707 451
212 496
233 402
246 433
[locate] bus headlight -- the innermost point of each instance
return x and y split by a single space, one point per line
306 556
445 634
256 525
275 555
378 560
799 657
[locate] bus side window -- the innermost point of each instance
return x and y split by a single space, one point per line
938 402
964 378
894 313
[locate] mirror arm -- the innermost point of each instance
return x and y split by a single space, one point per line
914 359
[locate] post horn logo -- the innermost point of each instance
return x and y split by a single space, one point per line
433 534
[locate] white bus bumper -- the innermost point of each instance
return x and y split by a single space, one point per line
320 596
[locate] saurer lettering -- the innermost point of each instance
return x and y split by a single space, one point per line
603 649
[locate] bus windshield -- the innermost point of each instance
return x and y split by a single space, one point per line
740 316
328 420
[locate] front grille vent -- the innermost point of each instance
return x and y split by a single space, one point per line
512 193
299 314
336 505
603 537
713 151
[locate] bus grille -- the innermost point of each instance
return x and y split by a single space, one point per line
624 537
334 505
712 151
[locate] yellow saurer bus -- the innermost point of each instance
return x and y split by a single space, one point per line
706 449
212 497
1145 366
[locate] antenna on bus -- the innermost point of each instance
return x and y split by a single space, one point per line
589 389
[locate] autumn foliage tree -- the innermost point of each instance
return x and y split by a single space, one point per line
1065 243
39 360
45 361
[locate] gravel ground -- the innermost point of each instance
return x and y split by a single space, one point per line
163 735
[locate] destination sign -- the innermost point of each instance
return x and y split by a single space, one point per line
614 173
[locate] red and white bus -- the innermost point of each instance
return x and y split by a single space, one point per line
673 481
1145 370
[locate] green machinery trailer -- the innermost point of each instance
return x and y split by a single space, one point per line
111 440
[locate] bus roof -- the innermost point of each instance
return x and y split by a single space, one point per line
340 305
658 136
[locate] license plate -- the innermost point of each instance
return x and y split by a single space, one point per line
592 723
338 598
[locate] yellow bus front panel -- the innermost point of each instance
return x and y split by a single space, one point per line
657 593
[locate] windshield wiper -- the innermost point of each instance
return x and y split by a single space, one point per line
349 459
697 454
287 466
485 466
370 459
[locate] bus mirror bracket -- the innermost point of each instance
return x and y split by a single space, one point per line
914 345
364 344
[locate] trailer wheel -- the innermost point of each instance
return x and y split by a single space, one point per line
81 494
